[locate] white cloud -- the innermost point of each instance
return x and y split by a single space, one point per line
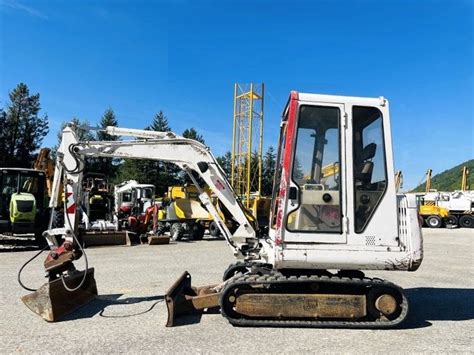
15 5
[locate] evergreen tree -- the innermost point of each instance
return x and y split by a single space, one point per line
3 138
108 119
184 178
80 127
268 171
191 133
225 161
160 123
132 169
107 165
22 129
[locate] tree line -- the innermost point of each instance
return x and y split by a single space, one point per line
22 130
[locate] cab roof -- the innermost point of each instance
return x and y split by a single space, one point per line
335 99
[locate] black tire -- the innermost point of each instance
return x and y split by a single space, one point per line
177 231
214 229
451 220
58 218
198 231
433 221
160 228
466 221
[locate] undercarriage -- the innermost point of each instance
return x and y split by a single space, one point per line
266 297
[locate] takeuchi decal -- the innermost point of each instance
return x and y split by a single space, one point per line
219 184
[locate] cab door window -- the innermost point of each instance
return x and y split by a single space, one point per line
316 171
370 174
9 185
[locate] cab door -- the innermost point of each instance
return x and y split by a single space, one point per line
315 203
373 217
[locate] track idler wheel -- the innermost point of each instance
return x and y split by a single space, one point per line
385 304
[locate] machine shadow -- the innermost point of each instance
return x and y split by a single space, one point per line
438 304
99 304
213 239
16 250
194 317
426 304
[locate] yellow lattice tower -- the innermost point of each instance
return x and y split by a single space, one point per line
247 140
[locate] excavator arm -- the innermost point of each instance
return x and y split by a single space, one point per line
191 156
69 288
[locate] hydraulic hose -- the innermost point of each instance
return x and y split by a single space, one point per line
24 265
78 243
77 169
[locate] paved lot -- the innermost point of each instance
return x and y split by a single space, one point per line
130 315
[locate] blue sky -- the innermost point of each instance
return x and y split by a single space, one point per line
183 57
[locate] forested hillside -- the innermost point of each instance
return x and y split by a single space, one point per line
450 180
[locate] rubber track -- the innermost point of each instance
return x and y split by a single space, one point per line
272 279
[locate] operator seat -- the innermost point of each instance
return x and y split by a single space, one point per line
363 173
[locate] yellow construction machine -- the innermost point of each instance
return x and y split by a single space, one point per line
24 197
432 215
182 214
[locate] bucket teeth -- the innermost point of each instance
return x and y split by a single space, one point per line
52 301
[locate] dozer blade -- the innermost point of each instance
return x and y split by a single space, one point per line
158 239
52 301
182 298
100 238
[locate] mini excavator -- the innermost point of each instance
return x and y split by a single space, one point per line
325 230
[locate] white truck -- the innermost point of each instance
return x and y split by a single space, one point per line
460 205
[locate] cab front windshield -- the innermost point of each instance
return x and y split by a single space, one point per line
23 182
147 193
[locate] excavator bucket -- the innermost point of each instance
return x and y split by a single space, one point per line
52 301
182 298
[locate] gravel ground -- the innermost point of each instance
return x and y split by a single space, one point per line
130 316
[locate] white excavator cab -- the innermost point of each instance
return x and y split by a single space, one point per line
334 198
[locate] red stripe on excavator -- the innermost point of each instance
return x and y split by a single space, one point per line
71 209
285 176
290 130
